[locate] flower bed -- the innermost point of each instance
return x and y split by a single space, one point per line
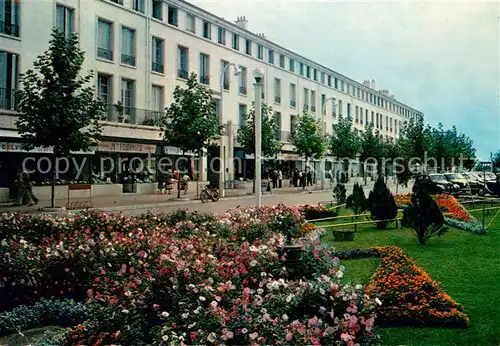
454 213
408 296
312 212
184 278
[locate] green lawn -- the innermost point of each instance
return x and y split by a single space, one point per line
466 265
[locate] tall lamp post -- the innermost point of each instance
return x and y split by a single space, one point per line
222 150
258 75
322 162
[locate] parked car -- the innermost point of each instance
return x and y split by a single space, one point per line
437 183
474 182
460 180
490 183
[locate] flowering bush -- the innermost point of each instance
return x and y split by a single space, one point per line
312 212
408 296
190 279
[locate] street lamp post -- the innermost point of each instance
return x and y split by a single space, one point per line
258 75
322 162
222 150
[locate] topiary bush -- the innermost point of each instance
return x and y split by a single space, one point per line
357 201
339 193
381 204
423 215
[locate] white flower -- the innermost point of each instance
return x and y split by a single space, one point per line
165 314
260 291
340 274
358 287
202 298
244 330
378 301
165 337
253 336
263 274
185 315
253 248
213 304
125 311
284 317
253 263
289 298
321 291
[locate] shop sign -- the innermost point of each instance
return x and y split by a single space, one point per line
169 150
290 157
18 148
120 147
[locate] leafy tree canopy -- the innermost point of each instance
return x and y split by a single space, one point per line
344 143
308 137
56 104
269 130
191 122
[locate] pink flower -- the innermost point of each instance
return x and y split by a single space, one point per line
156 306
313 321
288 336
124 268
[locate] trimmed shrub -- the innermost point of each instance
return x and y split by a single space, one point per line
381 204
357 201
339 193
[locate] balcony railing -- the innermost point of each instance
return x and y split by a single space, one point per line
105 53
182 74
293 104
204 80
277 99
128 59
157 67
226 85
9 29
8 99
131 115
243 90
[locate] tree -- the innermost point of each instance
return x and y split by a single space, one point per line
371 148
381 203
270 145
496 160
423 215
357 201
56 103
308 138
344 143
191 123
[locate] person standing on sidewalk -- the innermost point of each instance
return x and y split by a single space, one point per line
26 190
169 181
280 179
185 183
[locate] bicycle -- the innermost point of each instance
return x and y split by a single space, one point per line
209 192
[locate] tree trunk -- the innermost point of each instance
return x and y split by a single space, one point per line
304 185
53 185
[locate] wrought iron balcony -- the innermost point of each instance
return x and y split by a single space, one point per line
132 115
8 99
128 59
104 53
9 29
182 74
157 67
243 90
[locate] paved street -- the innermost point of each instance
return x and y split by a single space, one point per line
138 204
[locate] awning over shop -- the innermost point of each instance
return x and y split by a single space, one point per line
17 148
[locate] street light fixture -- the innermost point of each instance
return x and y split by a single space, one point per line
322 162
222 150
258 75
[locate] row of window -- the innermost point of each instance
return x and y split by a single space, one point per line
172 18
9 18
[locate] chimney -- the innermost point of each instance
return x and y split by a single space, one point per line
242 22
261 34
374 85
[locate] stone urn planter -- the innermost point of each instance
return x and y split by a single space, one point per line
343 235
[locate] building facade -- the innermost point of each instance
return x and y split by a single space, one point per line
140 50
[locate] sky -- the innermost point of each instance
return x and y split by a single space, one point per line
440 57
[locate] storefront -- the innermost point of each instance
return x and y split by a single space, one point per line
173 158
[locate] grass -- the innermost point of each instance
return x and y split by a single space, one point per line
467 266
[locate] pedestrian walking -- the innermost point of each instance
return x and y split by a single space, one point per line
274 176
25 191
309 178
169 181
185 183
280 179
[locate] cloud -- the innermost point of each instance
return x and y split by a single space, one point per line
439 57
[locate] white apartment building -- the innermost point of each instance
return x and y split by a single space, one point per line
140 50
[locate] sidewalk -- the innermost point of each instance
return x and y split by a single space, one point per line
134 201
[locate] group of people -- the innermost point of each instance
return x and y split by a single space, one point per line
170 178
302 178
276 177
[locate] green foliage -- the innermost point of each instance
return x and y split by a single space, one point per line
423 215
371 147
191 122
344 143
269 130
45 312
308 137
357 201
339 193
496 160
57 106
381 203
